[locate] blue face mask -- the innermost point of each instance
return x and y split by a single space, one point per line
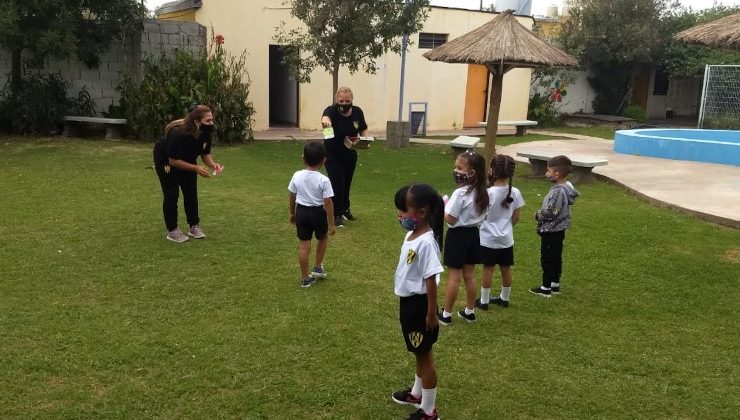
408 222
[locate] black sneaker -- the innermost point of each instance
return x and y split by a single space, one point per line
421 415
348 215
469 318
308 281
496 300
444 320
404 397
338 222
555 290
483 306
540 292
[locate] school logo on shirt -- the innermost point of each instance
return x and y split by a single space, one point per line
411 256
166 169
204 146
356 124
415 338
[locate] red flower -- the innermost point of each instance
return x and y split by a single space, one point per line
219 39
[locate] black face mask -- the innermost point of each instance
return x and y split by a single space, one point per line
206 128
344 108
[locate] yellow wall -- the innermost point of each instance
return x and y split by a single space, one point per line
249 25
181 15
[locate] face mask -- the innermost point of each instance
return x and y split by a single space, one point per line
344 108
206 128
409 223
461 178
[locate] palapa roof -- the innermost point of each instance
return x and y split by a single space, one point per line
503 39
721 33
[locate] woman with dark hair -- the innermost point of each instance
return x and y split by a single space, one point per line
175 160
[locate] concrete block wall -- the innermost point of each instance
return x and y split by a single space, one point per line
158 38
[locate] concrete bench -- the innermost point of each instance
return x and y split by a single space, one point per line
582 165
462 143
521 125
113 126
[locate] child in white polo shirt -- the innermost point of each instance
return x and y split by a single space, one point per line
311 210
497 231
420 212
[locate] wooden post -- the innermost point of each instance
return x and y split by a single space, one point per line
494 106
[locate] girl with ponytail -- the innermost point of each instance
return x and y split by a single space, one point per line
465 210
497 231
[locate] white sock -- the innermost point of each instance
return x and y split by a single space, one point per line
554 284
469 311
485 294
446 314
416 390
505 293
428 400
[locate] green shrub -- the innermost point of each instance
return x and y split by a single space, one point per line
170 85
722 122
40 103
543 110
636 112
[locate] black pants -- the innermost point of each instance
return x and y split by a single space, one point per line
172 183
551 256
341 169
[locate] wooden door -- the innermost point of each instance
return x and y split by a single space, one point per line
476 95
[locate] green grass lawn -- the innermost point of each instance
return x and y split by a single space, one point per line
101 317
604 132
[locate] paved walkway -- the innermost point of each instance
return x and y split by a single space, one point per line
707 190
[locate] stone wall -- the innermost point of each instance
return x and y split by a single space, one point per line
157 39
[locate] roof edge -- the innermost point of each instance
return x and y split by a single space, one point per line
178 5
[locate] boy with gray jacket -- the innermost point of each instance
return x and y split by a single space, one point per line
552 221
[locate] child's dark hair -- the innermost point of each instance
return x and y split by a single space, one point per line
561 163
502 167
314 153
477 162
424 196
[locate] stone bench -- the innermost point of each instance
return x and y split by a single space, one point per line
583 165
113 126
462 143
521 125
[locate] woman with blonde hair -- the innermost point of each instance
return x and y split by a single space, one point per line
175 160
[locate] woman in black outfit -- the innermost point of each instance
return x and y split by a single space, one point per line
175 160
347 121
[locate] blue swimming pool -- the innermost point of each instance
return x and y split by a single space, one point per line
716 146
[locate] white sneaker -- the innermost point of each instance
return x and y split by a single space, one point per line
176 235
196 232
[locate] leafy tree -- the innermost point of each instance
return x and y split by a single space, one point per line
678 58
35 29
349 33
612 39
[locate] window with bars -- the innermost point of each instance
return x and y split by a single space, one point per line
429 41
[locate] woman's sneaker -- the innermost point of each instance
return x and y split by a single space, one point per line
318 272
196 232
176 235
539 291
404 397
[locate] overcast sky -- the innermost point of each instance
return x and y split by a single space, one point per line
538 6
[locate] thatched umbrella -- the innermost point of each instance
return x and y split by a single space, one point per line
501 45
721 33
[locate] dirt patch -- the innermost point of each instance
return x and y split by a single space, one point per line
732 255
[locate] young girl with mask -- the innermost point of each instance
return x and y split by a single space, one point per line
346 121
175 161
420 210
465 210
497 231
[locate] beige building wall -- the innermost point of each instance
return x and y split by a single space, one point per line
250 26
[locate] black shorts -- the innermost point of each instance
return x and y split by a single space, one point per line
413 317
462 246
310 220
503 257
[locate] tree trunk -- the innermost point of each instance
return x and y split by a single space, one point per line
494 105
334 80
15 72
